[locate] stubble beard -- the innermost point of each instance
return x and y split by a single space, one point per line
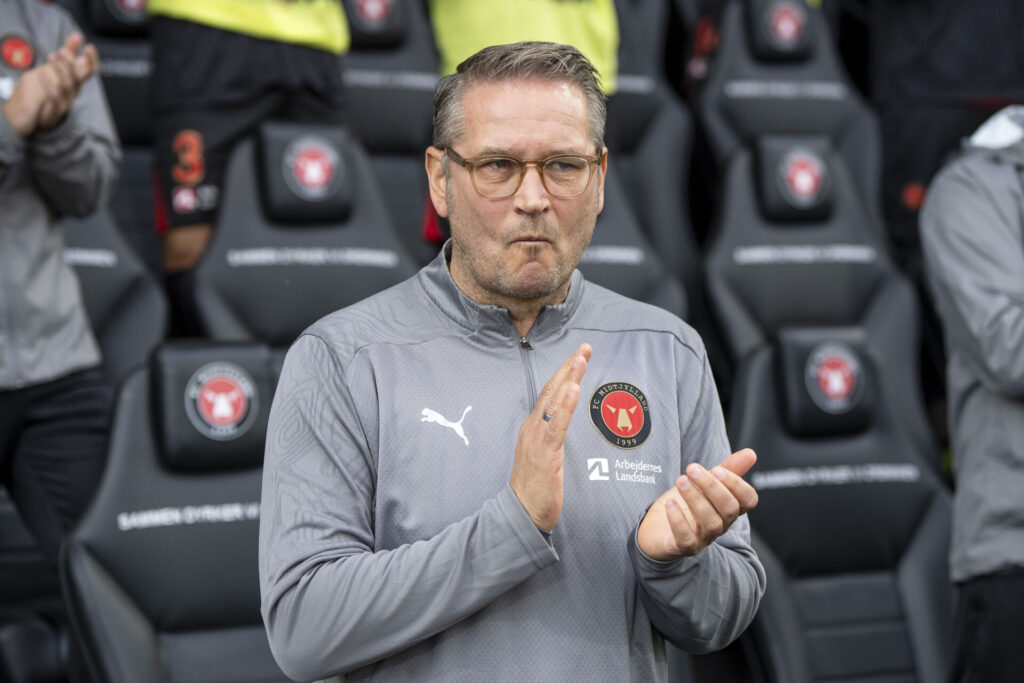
492 275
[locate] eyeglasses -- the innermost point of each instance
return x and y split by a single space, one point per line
497 177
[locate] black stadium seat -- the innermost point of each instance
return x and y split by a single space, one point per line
621 258
161 573
389 74
120 31
302 231
853 521
777 72
649 135
126 305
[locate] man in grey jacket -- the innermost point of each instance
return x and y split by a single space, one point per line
972 232
58 155
429 511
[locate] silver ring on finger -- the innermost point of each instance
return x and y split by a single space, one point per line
545 417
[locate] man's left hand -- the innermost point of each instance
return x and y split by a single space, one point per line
698 509
43 95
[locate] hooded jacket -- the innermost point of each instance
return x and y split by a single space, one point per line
972 233
72 169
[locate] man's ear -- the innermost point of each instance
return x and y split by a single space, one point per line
437 181
600 179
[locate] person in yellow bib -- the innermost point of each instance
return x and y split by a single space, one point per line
220 67
462 27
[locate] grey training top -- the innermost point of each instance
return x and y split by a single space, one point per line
972 235
72 169
391 544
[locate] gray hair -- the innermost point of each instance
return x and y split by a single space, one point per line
517 61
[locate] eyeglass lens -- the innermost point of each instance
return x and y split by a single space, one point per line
566 176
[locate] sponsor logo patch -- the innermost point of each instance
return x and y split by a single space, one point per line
598 468
184 200
221 401
17 52
311 168
620 413
802 178
833 377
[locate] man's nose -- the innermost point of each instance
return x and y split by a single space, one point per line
532 196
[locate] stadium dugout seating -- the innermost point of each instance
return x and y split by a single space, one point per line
302 231
853 521
161 573
621 258
773 91
119 29
389 74
124 300
777 72
649 136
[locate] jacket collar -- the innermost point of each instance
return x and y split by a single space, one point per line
493 323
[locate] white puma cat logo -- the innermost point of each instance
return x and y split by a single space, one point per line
434 416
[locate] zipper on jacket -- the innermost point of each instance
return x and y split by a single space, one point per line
524 353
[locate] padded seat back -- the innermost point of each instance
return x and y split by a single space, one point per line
777 72
853 518
390 73
793 246
161 573
120 31
302 231
649 134
621 258
126 305
851 512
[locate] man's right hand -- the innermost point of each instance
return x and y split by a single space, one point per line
43 95
537 471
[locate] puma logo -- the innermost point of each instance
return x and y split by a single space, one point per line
434 416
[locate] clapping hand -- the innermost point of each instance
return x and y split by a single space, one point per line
698 509
43 95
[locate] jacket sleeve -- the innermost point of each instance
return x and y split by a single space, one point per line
76 165
12 150
971 235
703 603
331 601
